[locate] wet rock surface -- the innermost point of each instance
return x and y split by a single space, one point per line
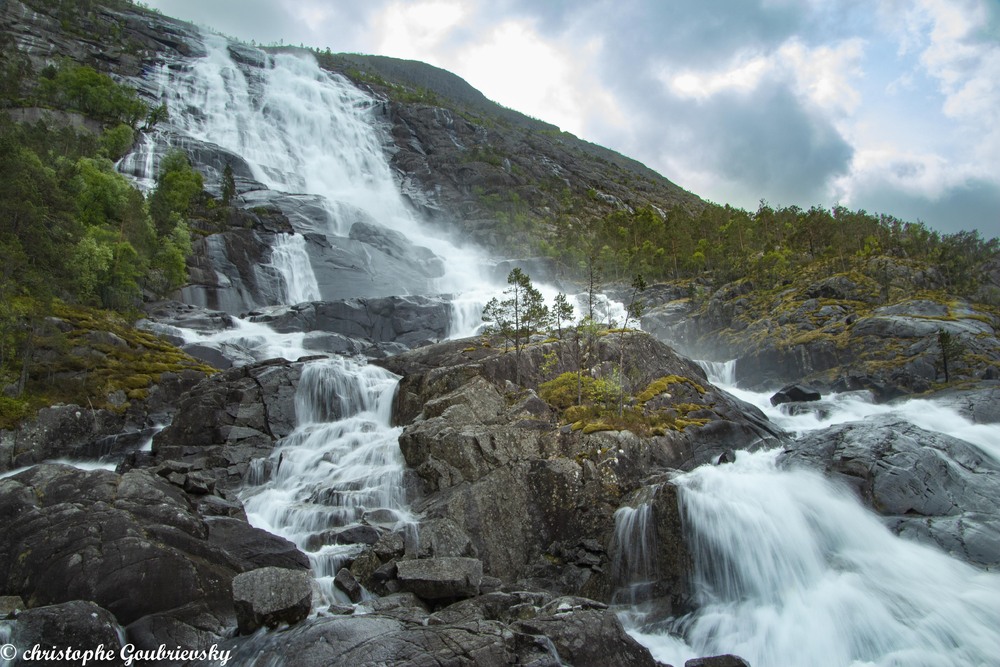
516 627
133 544
929 486
229 420
535 499
270 596
78 624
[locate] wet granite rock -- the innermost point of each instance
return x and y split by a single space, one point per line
928 485
76 624
132 543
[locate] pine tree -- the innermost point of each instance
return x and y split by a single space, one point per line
518 316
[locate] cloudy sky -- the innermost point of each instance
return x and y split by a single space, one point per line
888 105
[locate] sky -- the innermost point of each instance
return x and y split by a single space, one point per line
892 106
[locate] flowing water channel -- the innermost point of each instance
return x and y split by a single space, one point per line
790 569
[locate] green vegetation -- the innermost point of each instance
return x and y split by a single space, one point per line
768 246
93 358
519 315
75 234
599 406
951 350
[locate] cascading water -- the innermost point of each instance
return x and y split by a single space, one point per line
289 257
633 550
340 466
302 130
791 570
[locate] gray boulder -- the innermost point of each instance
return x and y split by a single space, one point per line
229 420
76 624
794 393
132 543
270 596
930 486
585 634
446 578
727 660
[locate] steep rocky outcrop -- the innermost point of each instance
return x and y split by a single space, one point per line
226 422
400 321
536 499
929 486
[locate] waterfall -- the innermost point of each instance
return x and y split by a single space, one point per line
290 259
340 468
791 570
304 131
722 373
633 549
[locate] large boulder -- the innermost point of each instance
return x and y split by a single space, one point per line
229 420
447 578
132 543
270 596
75 625
928 485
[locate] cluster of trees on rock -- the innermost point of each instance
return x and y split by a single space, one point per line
522 312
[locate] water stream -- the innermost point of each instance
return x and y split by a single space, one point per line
790 569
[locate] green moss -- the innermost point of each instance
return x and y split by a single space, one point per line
594 427
663 384
71 368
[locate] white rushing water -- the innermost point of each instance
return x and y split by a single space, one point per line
290 258
340 466
305 131
790 569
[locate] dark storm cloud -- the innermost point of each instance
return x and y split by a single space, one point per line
770 143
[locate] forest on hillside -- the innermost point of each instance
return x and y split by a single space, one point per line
75 233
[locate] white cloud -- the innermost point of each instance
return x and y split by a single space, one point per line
511 62
822 75
416 29
948 37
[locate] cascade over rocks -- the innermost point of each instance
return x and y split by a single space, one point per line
133 544
929 486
